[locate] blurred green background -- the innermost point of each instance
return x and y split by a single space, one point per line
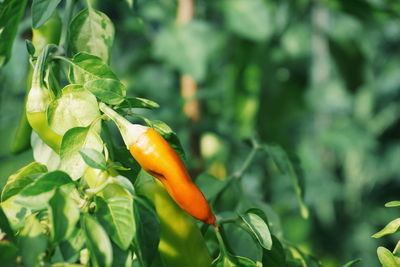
319 78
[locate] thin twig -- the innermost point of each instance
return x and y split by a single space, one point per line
69 8
247 163
255 147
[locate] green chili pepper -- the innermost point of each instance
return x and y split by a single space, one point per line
48 33
39 98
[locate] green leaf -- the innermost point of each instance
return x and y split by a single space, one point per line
121 258
259 228
37 194
42 11
97 242
20 179
43 153
16 213
92 31
73 142
94 158
45 183
109 91
298 257
71 247
285 166
115 189
11 12
227 260
386 258
118 166
29 46
32 242
210 186
137 102
85 67
392 204
352 262
249 19
241 241
8 254
148 230
63 215
75 108
5 227
95 178
125 183
161 127
57 256
260 214
188 48
116 215
390 228
275 257
124 156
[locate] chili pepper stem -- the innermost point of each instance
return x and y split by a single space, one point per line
130 132
222 247
93 191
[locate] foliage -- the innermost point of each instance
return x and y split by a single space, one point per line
386 257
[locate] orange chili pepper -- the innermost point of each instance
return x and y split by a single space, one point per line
160 160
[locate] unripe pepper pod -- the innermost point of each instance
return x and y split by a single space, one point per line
159 159
39 98
48 33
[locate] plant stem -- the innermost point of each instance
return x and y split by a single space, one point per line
93 191
88 4
238 174
221 242
228 220
246 164
69 8
95 121
64 59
